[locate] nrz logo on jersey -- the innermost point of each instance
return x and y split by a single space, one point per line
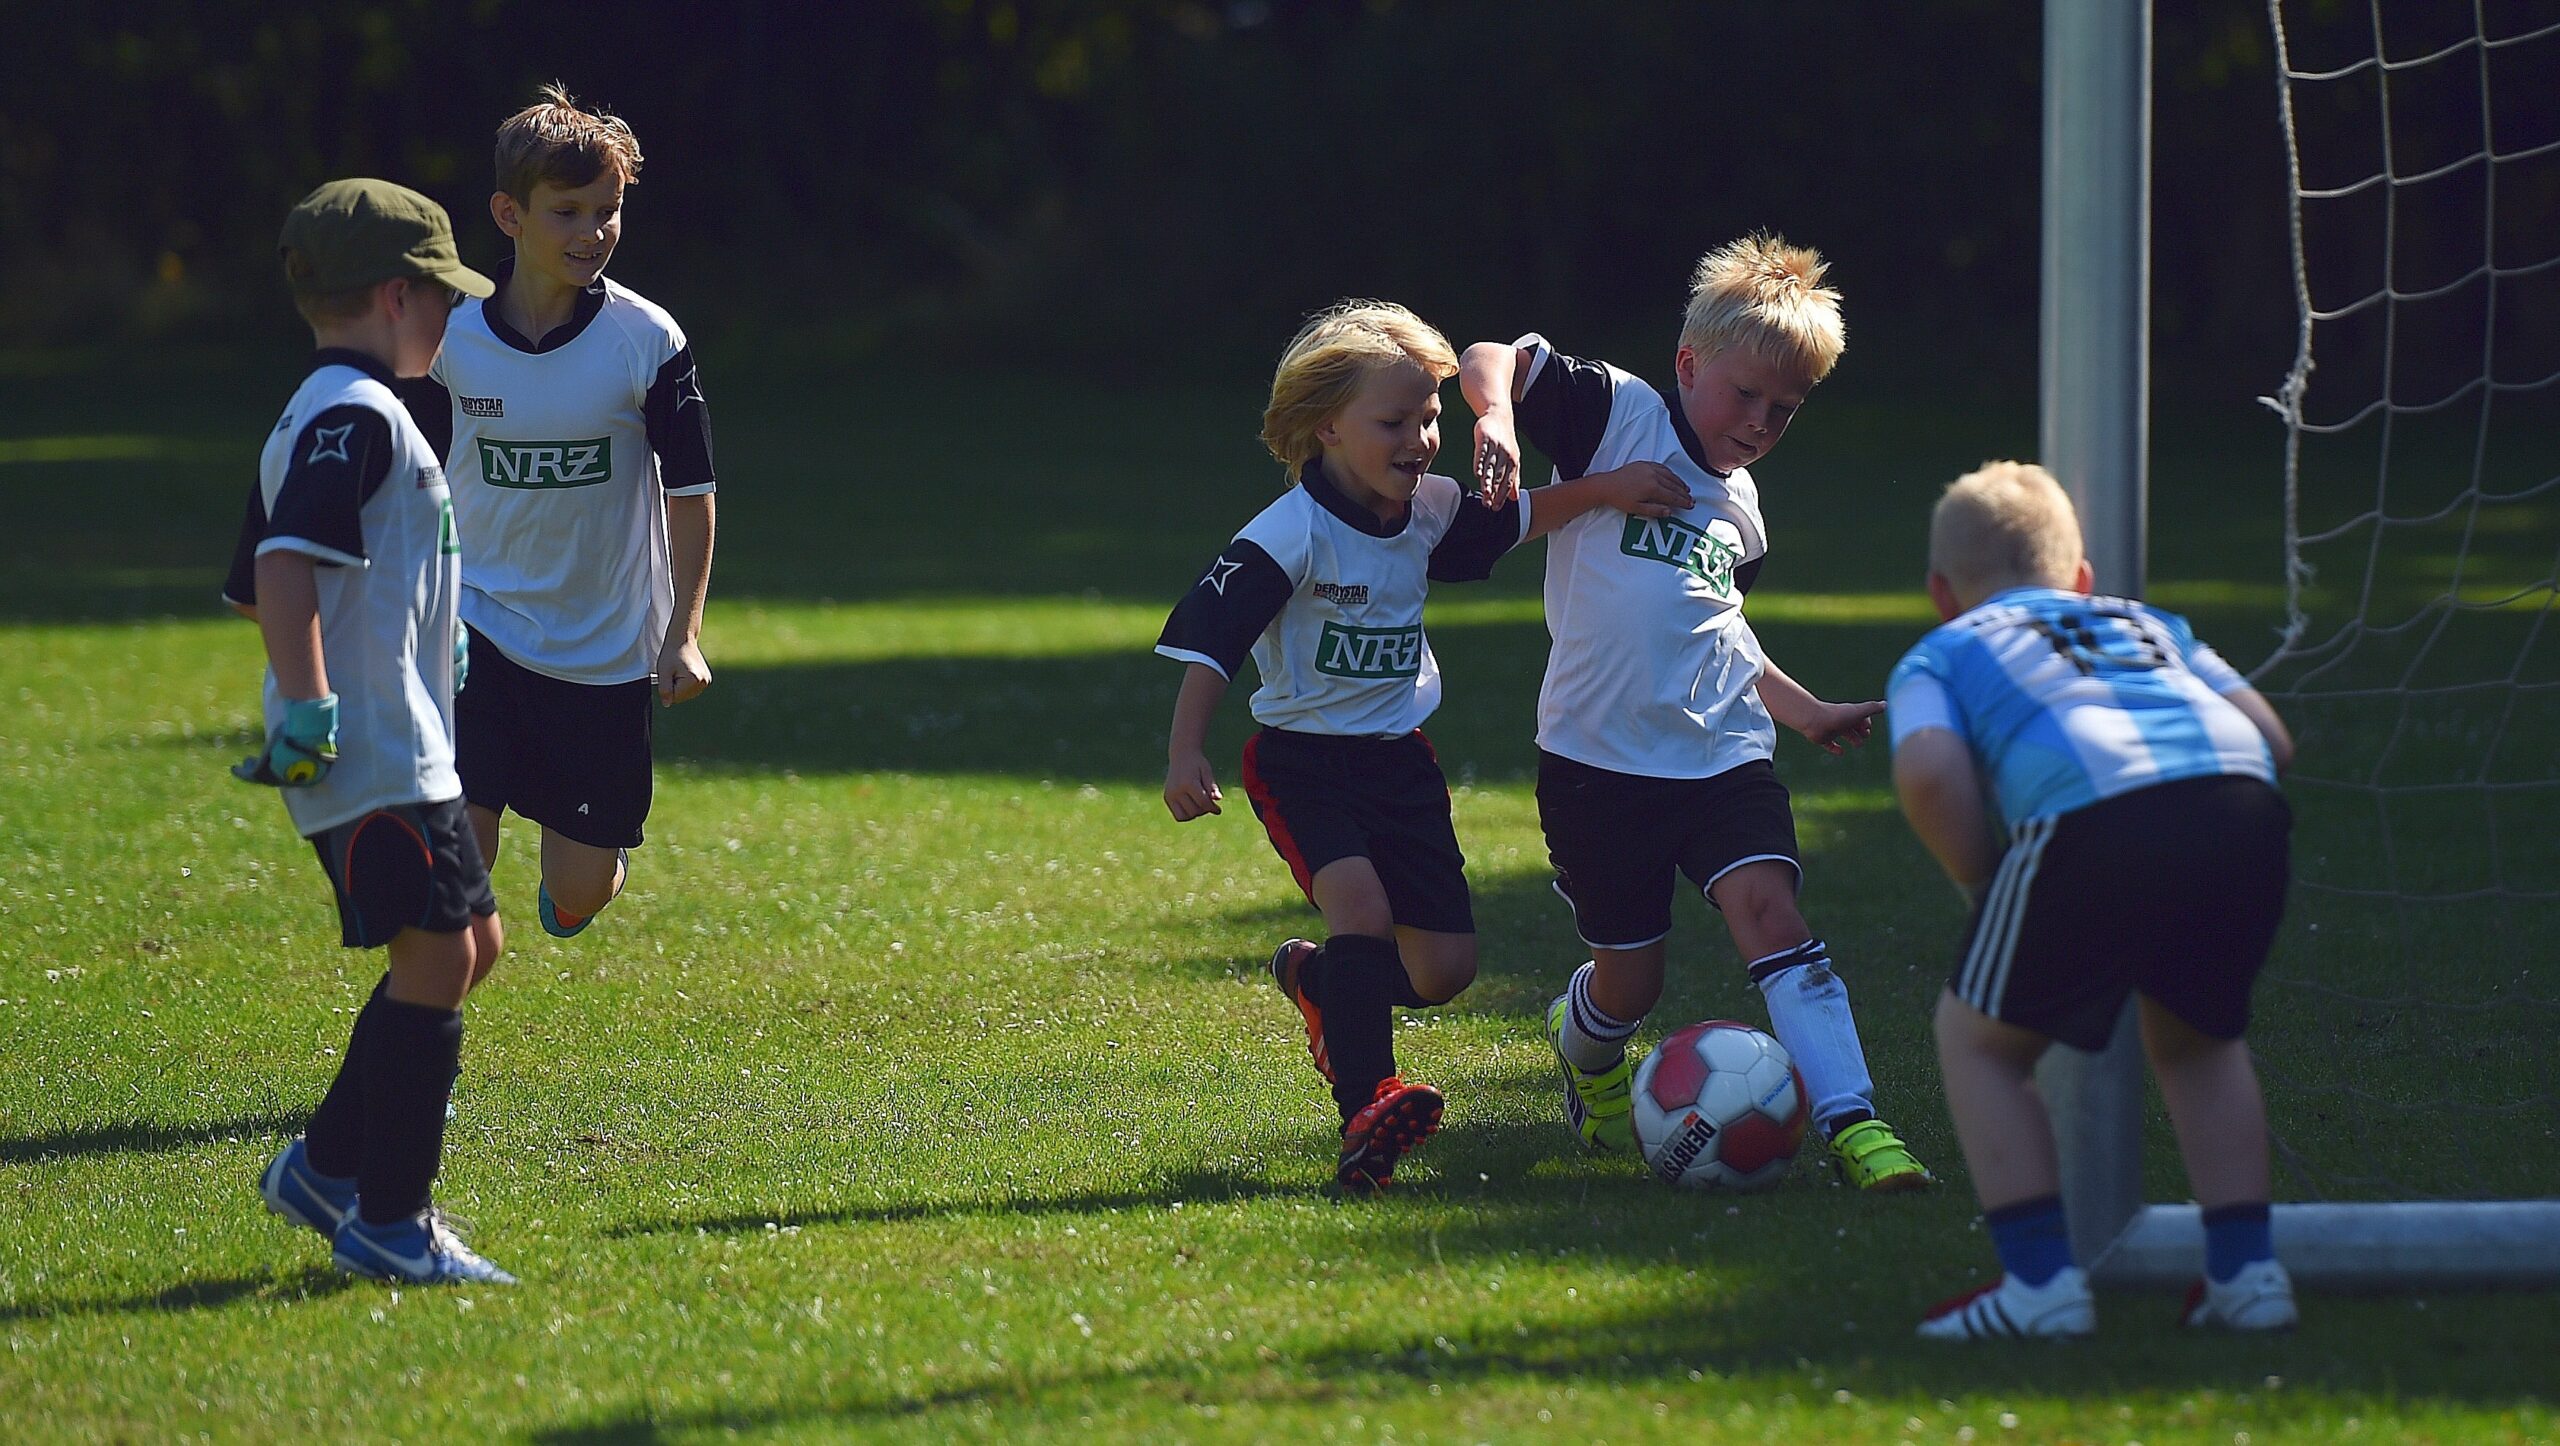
483 406
546 464
1369 652
1348 594
1684 545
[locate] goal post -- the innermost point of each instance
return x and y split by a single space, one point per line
2094 395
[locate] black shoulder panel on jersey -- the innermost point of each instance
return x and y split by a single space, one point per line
431 407
1230 607
240 585
1748 573
680 423
1566 411
338 461
1478 536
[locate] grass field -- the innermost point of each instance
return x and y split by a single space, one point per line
925 1085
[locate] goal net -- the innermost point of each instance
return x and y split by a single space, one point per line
2409 1022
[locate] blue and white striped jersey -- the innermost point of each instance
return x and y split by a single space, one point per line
2067 699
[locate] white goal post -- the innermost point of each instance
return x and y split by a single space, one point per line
2094 391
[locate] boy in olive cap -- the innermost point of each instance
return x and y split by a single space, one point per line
348 563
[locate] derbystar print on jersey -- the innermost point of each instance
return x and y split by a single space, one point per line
2068 699
1328 601
562 457
347 478
1652 668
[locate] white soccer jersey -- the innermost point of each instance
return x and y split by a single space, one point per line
1328 600
562 457
347 478
1652 666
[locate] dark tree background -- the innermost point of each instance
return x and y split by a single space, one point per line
1154 184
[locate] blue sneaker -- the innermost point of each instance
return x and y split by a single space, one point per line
418 1250
303 1195
568 926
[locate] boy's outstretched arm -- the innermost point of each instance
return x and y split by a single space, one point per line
1646 489
1941 793
682 671
1489 378
1829 726
1190 784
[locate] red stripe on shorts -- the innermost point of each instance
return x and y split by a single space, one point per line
1268 810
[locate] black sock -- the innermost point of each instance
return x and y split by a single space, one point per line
408 1071
1361 974
334 1140
1832 1127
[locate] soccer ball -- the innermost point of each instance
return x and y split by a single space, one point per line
1719 1105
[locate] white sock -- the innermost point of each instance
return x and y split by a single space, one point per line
1809 1012
1593 1040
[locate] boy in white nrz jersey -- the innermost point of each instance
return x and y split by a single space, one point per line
582 481
1324 589
346 560
2139 847
1654 724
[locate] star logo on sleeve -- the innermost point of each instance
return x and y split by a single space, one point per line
329 444
1219 572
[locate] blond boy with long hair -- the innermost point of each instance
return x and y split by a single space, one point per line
1324 591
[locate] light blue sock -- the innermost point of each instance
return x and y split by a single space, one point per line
1809 1012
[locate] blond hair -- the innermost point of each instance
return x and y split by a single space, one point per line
552 140
2004 525
1765 296
1331 358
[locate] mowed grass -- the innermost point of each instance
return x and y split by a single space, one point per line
924 1085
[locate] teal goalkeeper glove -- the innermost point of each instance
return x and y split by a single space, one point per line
298 754
461 654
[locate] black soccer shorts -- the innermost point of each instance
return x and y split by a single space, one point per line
573 757
2173 891
1323 798
410 866
1620 842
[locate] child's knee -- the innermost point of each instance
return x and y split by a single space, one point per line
1442 973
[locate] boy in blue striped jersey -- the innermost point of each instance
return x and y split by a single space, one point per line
2139 847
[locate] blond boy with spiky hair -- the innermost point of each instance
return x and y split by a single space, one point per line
581 463
1655 730
1324 591
2102 785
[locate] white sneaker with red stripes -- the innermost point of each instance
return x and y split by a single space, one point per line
2009 1307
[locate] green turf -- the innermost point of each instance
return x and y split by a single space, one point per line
924 1084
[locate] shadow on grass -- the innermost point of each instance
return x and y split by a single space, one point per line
1194 1186
1701 1355
144 1138
310 1283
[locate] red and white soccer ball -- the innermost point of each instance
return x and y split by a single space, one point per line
1719 1106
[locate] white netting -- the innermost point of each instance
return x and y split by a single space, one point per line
2409 1024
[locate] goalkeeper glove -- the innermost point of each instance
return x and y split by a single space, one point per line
298 754
461 654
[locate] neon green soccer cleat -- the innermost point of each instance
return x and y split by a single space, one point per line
1600 1107
1872 1157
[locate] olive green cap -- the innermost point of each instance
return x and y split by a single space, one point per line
356 232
